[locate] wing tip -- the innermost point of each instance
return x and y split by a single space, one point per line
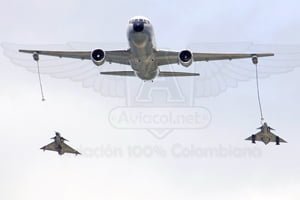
264 54
27 51
283 141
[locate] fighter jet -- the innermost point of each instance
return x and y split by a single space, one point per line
265 135
59 146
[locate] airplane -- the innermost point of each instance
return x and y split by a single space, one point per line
265 135
59 146
143 56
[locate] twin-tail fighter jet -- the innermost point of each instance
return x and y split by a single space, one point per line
59 146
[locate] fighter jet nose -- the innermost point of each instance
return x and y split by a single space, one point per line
138 26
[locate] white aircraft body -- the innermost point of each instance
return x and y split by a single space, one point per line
143 56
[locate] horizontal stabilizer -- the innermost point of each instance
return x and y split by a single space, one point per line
171 74
161 74
119 73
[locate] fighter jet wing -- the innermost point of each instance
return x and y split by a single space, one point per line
50 147
273 138
270 137
67 149
258 136
282 140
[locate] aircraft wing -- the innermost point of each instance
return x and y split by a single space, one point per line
163 57
282 140
273 138
50 147
117 56
171 57
261 137
258 136
67 149
216 77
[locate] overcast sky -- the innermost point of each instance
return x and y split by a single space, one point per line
211 162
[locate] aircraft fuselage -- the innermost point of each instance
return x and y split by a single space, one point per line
141 40
58 142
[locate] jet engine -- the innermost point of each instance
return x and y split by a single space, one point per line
98 56
185 58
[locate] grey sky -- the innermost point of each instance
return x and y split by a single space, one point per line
81 115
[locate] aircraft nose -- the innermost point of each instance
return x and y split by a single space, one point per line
138 26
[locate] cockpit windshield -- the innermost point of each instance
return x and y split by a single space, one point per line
144 20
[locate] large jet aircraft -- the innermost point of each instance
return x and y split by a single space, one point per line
59 145
265 135
143 56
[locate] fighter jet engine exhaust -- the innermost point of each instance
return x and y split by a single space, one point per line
185 58
98 57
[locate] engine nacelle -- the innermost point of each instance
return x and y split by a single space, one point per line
98 57
185 58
